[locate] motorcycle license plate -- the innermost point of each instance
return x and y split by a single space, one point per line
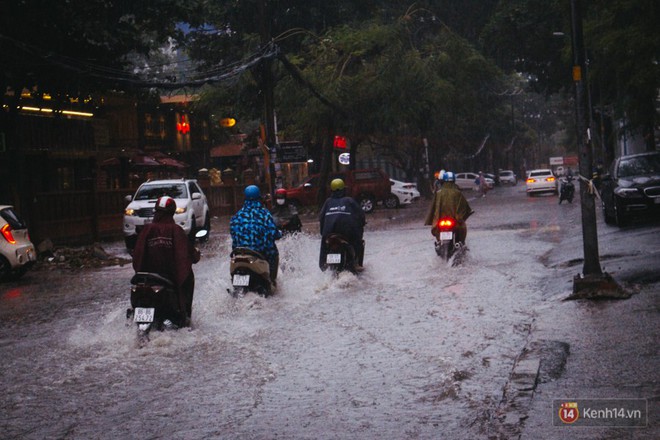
448 235
144 314
333 259
241 280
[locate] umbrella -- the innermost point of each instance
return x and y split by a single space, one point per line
169 162
109 163
142 160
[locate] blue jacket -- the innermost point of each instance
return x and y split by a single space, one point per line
253 227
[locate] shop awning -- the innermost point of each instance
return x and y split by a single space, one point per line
227 150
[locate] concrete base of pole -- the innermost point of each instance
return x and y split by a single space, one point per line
598 286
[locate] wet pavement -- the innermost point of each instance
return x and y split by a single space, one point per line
412 348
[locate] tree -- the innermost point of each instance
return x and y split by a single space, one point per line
623 45
533 37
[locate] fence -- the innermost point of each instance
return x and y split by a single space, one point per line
80 217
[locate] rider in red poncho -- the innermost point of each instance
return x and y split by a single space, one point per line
163 247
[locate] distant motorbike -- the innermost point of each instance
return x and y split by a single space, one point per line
446 244
250 272
567 190
288 225
341 256
155 302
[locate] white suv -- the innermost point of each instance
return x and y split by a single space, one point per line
17 252
192 209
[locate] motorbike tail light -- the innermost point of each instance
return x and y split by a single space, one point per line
446 223
6 232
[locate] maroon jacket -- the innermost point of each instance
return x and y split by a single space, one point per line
163 248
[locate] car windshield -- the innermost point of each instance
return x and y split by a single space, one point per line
506 173
540 173
637 166
174 190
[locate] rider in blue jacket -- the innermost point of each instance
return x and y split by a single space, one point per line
253 227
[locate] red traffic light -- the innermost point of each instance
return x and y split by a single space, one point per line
340 142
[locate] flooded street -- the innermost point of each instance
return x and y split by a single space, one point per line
411 348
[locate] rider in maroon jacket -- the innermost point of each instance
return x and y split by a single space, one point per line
163 247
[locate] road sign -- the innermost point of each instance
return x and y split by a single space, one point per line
291 152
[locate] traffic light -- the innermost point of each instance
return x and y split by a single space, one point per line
227 122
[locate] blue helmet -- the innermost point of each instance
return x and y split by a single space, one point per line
448 177
252 193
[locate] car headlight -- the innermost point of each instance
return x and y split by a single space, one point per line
129 211
627 192
180 210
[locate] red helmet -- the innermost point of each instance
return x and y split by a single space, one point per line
166 203
280 193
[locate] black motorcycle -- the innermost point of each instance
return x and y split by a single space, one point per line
340 254
288 225
567 190
446 244
155 302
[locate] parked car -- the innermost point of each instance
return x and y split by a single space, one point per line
631 188
405 193
17 252
541 180
192 209
367 186
466 181
508 177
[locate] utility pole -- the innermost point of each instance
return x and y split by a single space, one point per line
588 205
267 87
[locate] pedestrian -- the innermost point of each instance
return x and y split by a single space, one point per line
481 184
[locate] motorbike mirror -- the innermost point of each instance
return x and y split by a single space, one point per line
201 233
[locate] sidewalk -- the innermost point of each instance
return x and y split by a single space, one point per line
588 349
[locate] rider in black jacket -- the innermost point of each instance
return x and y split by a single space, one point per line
342 215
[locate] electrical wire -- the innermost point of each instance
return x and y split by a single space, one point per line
217 74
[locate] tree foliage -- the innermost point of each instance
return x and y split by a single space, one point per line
622 45
78 46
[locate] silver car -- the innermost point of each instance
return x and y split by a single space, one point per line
192 209
508 177
17 252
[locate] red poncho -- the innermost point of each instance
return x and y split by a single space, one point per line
163 247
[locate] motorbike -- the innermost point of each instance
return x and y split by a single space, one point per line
341 255
446 245
250 272
288 225
155 302
567 190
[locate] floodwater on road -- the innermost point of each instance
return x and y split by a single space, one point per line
410 348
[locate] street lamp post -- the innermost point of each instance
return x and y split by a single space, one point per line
593 277
588 205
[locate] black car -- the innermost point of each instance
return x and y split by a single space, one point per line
632 188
